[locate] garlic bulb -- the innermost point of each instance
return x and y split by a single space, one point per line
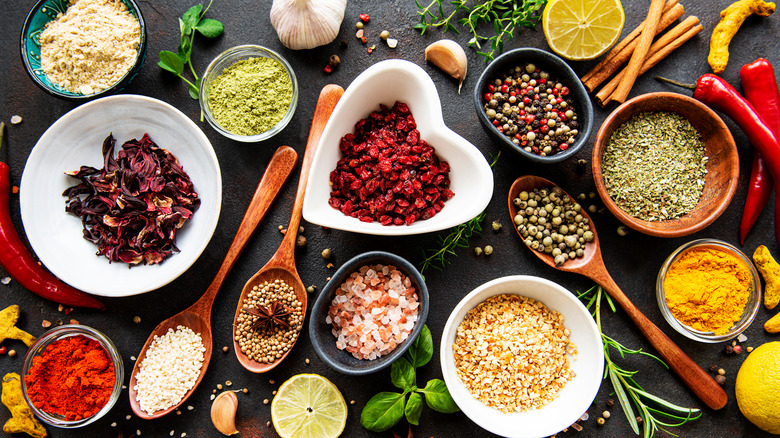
450 57
306 24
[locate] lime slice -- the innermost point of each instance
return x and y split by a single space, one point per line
308 406
582 29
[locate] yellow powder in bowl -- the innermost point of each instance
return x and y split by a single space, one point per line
707 289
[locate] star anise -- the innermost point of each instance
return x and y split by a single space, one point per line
269 317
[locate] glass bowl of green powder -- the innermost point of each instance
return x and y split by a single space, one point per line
249 93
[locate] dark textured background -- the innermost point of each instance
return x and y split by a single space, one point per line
633 260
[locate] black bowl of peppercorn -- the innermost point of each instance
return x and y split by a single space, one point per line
533 103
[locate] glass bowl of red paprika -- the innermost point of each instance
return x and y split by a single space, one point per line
72 376
708 290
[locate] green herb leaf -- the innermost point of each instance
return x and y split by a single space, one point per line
383 411
191 18
402 374
194 90
185 48
421 350
413 408
171 62
438 398
209 28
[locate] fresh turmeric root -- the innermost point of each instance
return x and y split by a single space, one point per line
770 270
731 19
773 325
8 329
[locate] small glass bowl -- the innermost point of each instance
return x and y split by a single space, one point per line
225 60
751 307
65 331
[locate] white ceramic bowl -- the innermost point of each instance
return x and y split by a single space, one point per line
576 396
76 139
385 83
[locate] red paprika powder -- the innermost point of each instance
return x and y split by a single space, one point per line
73 377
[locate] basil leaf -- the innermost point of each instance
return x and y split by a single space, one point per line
402 374
209 28
413 408
171 62
191 18
421 350
382 411
438 398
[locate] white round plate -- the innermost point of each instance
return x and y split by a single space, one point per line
76 139
385 83
576 396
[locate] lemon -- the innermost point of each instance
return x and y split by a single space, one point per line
582 29
758 387
308 405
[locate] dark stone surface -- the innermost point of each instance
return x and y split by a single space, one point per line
633 260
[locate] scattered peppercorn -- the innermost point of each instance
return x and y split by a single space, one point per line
137 319
334 61
311 289
605 414
721 380
272 381
3 349
639 420
478 251
326 253
363 40
384 35
581 197
488 250
496 226
622 231
610 402
738 349
600 421
729 349
713 369
359 26
327 69
370 50
365 18
219 386
301 241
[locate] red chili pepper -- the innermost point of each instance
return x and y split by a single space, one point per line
718 94
760 88
19 263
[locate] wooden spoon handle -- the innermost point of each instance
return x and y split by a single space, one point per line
329 97
689 371
276 173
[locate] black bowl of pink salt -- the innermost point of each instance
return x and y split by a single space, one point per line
369 313
72 376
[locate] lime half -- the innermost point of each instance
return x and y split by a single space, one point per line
309 406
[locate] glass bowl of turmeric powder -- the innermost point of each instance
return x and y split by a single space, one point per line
708 290
72 376
248 93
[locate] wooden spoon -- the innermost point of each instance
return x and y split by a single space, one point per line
282 263
592 266
198 316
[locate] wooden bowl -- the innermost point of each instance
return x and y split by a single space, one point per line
720 182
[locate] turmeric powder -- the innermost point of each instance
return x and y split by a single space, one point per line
770 270
731 19
707 289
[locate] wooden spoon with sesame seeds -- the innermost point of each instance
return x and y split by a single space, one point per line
198 316
282 263
592 266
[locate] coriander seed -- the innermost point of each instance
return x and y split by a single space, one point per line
478 251
488 250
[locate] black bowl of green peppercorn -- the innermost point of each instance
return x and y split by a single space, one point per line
533 103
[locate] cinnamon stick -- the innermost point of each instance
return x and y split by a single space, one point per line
623 50
640 53
665 45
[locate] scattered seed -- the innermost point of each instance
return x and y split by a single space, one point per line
370 50
272 381
326 253
213 396
488 250
225 349
127 417
352 402
749 349
582 163
213 391
268 423
124 386
113 424
392 43
228 383
172 432
327 279
600 421
737 349
301 240
132 358
45 324
12 353
301 229
329 266
478 251
577 427
245 390
189 408
359 25
720 379
60 307
742 338
281 228
266 401
610 402
384 35
138 432
584 417
713 369
183 434
5 280
310 289
219 386
622 230
334 61
605 414
592 208
3 349
178 412
364 18
273 393
359 33
74 321
496 225
721 372
363 39
15 119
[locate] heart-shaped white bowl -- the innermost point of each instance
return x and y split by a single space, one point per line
385 83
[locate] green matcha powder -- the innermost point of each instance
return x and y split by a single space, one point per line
251 96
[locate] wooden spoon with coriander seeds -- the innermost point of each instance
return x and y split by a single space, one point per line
198 316
281 266
592 266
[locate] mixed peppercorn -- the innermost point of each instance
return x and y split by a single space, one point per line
533 110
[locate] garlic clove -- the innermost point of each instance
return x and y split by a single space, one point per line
450 57
306 24
223 412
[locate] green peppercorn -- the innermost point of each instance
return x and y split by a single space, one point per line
488 250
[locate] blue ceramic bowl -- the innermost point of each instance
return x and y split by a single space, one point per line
320 332
45 11
557 68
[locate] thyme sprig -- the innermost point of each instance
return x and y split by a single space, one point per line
655 412
457 237
504 16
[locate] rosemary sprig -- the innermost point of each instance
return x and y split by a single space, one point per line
504 16
457 237
628 391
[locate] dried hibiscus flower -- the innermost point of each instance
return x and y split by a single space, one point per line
133 206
